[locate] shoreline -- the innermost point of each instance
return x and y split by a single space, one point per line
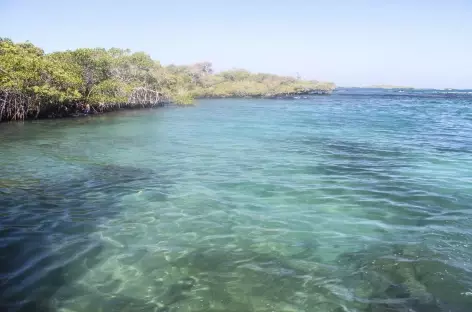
71 111
271 96
39 85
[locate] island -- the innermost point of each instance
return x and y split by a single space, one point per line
35 84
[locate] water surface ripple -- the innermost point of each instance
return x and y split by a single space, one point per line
359 201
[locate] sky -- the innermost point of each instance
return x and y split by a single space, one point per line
419 43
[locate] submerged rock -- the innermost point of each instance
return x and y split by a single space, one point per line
406 279
177 292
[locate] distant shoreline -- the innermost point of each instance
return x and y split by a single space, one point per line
384 87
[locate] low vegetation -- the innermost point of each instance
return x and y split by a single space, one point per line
35 84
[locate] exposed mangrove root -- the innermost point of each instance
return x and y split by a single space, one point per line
145 97
16 106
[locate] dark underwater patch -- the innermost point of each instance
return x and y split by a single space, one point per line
39 217
408 278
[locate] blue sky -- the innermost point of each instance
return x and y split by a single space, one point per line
353 43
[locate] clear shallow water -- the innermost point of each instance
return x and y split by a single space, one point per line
359 201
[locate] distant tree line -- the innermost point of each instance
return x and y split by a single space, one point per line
36 84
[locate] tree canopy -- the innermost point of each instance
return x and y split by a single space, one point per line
36 84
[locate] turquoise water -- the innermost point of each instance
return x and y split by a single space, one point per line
358 201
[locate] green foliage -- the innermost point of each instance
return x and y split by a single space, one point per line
183 97
242 83
33 82
26 70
